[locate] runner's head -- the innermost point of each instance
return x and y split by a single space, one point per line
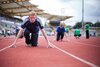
32 16
62 24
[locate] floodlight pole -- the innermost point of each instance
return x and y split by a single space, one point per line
62 12
83 15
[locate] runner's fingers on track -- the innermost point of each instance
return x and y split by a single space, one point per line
50 45
13 46
68 40
54 39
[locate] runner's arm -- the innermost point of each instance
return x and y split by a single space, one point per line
66 36
18 35
45 36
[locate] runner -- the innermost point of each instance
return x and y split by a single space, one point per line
31 25
87 27
77 33
60 32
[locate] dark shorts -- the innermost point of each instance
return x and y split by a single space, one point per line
67 31
60 36
34 38
31 39
77 35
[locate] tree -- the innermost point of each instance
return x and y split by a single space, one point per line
90 23
97 24
77 25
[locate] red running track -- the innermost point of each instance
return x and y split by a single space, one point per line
87 50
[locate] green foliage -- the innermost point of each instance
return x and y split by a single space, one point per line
77 25
97 24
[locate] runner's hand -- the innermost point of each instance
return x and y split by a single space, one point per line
68 40
50 45
13 45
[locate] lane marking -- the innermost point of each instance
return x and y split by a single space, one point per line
83 43
87 44
80 59
8 46
80 43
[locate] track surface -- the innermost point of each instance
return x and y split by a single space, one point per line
75 53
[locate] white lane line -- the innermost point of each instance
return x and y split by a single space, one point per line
80 59
8 46
87 44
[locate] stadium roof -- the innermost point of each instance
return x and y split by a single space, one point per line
23 7
14 7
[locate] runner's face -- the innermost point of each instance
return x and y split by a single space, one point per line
32 18
61 26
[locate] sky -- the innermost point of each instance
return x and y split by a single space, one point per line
71 8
